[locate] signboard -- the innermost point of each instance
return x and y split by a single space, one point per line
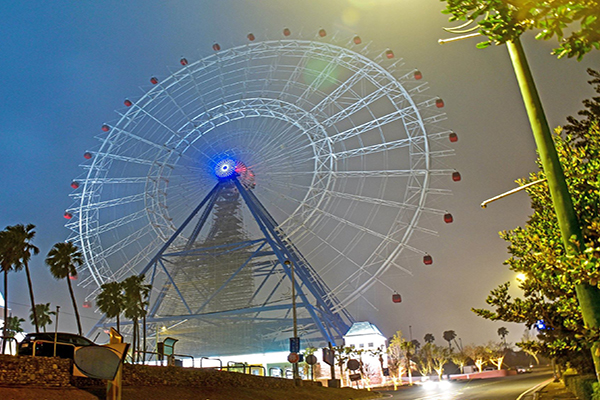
386 372
328 356
355 377
294 357
295 345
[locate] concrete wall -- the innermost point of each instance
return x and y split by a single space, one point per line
34 371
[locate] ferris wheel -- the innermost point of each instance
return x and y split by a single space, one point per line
343 146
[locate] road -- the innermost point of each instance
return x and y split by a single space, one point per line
507 388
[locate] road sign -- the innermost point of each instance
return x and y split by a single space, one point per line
311 359
355 377
293 357
295 345
353 365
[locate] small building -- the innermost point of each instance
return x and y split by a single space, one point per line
365 336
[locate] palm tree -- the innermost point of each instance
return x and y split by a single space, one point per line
63 260
111 300
429 338
449 336
43 315
13 325
503 332
136 299
23 235
15 253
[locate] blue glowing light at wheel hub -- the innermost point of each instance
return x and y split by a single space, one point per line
225 168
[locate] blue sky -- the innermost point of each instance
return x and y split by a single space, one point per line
66 65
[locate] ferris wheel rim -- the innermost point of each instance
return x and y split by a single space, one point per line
97 164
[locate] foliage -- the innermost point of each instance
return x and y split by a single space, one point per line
478 354
63 260
495 353
548 292
460 358
43 315
440 355
429 338
449 336
136 295
13 326
400 352
111 300
503 332
502 21
16 249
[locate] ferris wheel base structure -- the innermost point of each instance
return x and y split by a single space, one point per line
223 316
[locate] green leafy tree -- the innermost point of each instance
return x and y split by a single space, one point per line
63 260
111 300
136 295
575 23
449 336
460 358
43 315
495 353
440 355
549 293
400 353
424 359
478 354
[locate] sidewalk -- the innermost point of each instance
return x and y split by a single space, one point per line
554 391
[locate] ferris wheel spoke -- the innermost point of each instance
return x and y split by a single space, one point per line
109 203
116 223
124 242
360 104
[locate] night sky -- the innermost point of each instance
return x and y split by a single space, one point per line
66 65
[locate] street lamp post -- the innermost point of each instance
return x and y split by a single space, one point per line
294 318
572 237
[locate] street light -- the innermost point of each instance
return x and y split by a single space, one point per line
294 319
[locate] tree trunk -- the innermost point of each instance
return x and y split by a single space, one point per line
33 310
118 324
74 306
5 310
133 342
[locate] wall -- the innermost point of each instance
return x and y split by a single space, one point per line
56 372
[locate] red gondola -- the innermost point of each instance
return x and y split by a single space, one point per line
251 37
396 298
357 40
389 54
67 215
448 218
418 75
127 103
453 137
439 103
322 32
427 259
73 277
87 304
216 47
153 80
456 176
75 185
87 155
286 32
183 61
105 128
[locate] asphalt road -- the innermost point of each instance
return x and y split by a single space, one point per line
508 388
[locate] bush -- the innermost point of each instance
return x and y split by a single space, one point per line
582 386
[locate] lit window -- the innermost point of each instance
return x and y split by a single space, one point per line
361 345
370 344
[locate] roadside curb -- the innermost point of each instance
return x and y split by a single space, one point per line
536 389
